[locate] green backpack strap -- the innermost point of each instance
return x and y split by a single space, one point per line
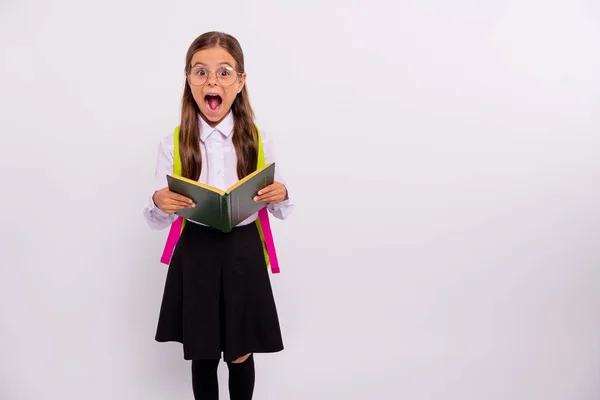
177 162
176 155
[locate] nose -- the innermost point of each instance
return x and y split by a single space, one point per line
212 78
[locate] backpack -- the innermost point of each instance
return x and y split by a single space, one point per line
262 222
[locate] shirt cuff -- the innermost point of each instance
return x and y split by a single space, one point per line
287 202
153 208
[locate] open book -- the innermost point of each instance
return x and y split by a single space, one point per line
222 210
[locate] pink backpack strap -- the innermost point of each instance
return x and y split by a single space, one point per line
172 239
263 217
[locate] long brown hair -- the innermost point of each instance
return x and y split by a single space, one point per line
244 129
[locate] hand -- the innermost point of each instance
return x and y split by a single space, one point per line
170 202
273 194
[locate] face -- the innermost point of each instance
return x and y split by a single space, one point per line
215 96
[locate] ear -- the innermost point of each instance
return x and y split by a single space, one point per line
241 82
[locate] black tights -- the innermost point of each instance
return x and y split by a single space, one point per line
206 386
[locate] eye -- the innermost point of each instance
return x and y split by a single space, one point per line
224 72
201 71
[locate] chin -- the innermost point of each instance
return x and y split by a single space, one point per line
212 117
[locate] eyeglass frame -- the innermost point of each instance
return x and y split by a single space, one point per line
209 71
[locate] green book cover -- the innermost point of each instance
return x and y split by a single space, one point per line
222 210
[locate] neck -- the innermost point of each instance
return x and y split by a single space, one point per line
213 124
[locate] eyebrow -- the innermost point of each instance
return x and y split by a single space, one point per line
204 65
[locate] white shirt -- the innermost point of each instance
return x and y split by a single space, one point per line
219 169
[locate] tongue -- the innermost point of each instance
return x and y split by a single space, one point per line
213 102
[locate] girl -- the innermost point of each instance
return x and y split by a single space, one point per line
217 297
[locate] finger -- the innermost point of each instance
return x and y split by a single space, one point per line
179 204
179 201
276 187
268 189
267 195
178 197
269 198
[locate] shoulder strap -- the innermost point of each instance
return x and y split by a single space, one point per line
179 224
262 222
176 154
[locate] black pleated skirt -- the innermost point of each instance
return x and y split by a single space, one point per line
217 298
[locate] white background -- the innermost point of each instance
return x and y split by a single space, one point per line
443 156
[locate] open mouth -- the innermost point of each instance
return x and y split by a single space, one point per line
213 102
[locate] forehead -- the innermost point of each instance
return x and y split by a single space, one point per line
213 57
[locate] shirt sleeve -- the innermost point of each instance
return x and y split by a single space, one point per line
284 209
155 218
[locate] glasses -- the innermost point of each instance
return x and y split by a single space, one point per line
226 76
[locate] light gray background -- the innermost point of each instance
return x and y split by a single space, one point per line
443 155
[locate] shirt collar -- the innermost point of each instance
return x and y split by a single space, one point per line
225 127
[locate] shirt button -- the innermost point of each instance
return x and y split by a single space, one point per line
220 172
